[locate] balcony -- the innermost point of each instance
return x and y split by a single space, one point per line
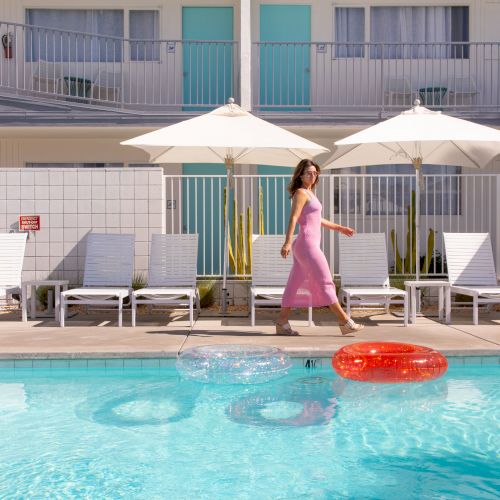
135 76
374 79
302 82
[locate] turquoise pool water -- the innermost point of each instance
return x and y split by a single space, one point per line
146 434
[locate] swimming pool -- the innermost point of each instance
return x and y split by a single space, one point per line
144 433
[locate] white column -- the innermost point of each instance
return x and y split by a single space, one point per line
245 56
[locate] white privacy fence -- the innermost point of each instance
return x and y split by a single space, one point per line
368 203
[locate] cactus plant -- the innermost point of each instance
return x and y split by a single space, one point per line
249 241
241 228
261 210
408 266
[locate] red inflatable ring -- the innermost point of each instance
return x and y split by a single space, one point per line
389 362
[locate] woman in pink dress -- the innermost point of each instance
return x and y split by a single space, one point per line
310 281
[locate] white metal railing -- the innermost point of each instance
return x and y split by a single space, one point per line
327 77
144 74
368 203
186 75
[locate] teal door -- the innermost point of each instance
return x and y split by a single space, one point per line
285 67
276 202
202 212
207 67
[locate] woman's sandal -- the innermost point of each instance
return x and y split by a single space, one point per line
350 327
285 329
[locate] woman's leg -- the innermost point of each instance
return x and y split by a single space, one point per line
339 312
284 314
347 325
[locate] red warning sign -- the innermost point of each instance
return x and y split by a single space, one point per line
29 223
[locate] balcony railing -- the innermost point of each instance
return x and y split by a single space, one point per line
177 75
368 203
168 76
375 77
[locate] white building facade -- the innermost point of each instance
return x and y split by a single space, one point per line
78 78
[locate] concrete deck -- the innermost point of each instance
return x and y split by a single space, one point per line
95 335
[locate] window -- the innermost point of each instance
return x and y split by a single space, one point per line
144 31
386 190
89 35
392 194
405 32
74 165
349 31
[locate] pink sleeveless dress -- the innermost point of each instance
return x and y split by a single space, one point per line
310 281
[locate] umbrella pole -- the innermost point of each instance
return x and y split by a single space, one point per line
417 163
229 175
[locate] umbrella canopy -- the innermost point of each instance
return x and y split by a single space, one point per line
229 135
419 136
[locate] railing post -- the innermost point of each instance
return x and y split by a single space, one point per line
382 89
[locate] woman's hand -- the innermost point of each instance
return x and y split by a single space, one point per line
285 250
348 231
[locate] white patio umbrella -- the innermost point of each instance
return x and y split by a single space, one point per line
419 136
227 135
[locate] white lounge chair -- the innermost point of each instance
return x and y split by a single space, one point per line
364 273
109 266
462 91
172 273
269 273
12 247
107 86
471 269
398 91
47 77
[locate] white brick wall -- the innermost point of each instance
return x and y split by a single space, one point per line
73 202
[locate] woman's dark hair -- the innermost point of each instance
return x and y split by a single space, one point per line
296 182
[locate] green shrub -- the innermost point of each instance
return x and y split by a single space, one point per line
42 293
139 281
206 291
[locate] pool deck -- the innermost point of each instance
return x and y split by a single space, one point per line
96 335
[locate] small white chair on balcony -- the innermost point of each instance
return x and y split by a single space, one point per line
364 273
462 91
12 247
269 273
471 268
109 266
47 77
107 86
398 92
172 274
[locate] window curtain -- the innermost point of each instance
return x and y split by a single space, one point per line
144 31
392 195
349 32
418 32
84 36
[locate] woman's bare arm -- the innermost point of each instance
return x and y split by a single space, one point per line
348 231
300 198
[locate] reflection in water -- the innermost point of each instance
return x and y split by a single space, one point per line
417 395
12 399
307 401
157 404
